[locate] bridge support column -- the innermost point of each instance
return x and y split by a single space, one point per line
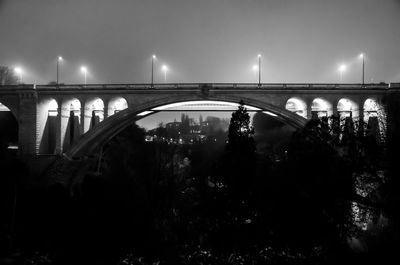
27 121
105 110
334 108
58 131
309 109
83 121
360 116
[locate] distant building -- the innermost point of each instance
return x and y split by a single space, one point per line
188 130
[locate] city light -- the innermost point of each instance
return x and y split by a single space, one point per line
152 69
255 70
259 69
59 59
362 56
84 71
19 71
164 68
341 69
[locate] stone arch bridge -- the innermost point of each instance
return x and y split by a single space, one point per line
75 120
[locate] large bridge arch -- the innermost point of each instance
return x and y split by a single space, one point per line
104 131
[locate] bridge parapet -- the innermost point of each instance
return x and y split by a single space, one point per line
233 86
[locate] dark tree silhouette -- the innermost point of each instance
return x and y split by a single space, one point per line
240 135
7 76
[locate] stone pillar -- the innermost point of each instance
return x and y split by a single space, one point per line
59 139
82 121
64 117
27 120
105 109
361 116
309 110
334 107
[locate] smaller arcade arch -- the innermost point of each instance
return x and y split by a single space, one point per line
347 108
297 106
321 108
48 121
94 113
371 108
70 122
374 118
8 128
116 105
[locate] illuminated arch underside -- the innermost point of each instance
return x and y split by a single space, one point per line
102 132
202 105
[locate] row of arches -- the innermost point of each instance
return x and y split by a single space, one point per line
345 108
71 120
61 122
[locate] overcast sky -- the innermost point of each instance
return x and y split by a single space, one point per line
201 40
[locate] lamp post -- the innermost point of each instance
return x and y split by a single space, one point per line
59 59
84 71
342 68
152 69
164 68
18 71
362 56
259 69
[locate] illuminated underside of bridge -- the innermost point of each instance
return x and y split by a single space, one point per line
202 105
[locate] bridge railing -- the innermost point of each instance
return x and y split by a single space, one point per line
242 86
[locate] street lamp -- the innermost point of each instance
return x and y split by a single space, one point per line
341 69
59 59
362 56
18 71
259 69
84 71
255 70
152 69
164 68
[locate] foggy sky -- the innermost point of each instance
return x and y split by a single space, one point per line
201 40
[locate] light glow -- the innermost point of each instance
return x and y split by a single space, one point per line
18 70
297 106
204 103
342 68
270 113
144 113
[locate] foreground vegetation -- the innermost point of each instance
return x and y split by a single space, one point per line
324 201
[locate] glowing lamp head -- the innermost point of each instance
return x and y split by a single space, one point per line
361 55
259 56
60 58
154 56
164 68
255 68
342 68
18 70
83 69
